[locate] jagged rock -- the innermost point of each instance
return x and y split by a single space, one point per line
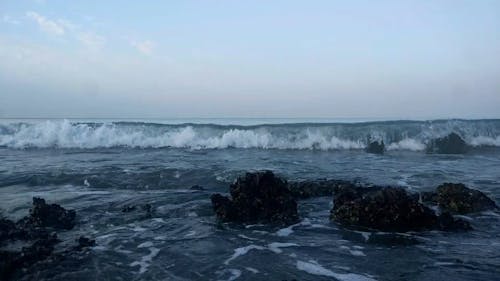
15 261
450 144
32 229
257 197
376 147
316 188
53 215
458 199
387 209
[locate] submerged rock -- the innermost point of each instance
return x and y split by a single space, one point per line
387 209
257 197
450 144
375 147
459 199
84 242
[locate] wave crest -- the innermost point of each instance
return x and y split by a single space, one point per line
398 136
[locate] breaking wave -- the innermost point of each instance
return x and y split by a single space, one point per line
398 135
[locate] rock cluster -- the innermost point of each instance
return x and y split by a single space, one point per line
388 209
264 197
35 230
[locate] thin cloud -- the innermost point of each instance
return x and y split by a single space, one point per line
8 19
145 47
91 40
46 25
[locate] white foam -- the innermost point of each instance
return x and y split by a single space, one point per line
145 245
407 144
253 270
235 274
65 134
275 246
485 141
243 251
314 268
145 261
289 230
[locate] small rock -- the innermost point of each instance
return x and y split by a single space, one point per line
197 187
458 199
450 144
376 147
84 242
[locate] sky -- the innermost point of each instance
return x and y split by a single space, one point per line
398 59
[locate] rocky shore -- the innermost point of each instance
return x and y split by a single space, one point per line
265 198
37 232
259 197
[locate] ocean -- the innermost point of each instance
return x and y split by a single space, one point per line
99 167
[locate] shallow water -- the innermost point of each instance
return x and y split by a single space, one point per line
183 241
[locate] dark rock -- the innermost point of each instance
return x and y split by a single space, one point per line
84 242
317 188
53 215
429 197
7 229
147 208
458 199
12 262
375 147
197 187
450 144
128 209
386 209
257 197
447 222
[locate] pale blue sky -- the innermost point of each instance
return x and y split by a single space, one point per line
336 59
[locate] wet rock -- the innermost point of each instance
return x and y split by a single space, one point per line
12 262
33 230
450 144
53 215
459 199
7 229
375 147
429 197
388 209
84 242
316 188
447 222
257 197
197 187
